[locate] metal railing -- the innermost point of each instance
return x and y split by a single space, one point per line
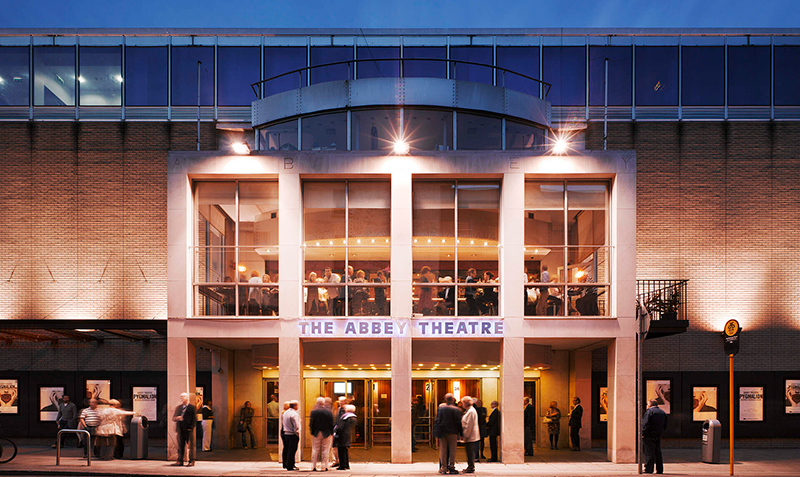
75 431
663 299
258 87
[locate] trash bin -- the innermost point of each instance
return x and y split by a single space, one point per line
139 437
712 441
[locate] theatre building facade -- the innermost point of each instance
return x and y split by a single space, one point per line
396 215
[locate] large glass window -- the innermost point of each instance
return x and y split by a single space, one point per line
279 137
703 76
479 133
146 76
14 76
455 247
520 59
521 136
619 75
787 70
326 132
375 129
347 225
54 76
237 70
748 75
236 248
467 72
656 76
422 68
321 55
566 249
378 69
565 69
428 130
100 76
184 75
282 59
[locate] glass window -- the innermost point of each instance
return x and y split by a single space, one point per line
478 132
326 132
378 69
787 70
619 75
279 137
748 75
321 55
14 77
428 130
519 59
237 71
54 76
567 267
184 75
425 69
375 130
565 69
703 76
347 227
467 72
656 76
522 136
146 76
221 268
100 76
282 59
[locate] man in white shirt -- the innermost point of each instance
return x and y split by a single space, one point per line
544 293
335 296
254 295
472 433
290 435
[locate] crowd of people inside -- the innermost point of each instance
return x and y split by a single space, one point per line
445 299
325 293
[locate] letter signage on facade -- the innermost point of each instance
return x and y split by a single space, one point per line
456 328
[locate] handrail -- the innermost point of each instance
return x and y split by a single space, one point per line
307 69
74 431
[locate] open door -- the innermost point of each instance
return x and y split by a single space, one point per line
378 412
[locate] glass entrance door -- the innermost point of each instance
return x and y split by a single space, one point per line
378 413
272 411
424 393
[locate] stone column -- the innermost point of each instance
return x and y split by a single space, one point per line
181 361
622 400
583 389
222 399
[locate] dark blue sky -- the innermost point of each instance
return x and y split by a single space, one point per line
399 13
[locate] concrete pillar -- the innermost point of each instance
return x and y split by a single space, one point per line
222 400
248 385
181 369
512 380
581 386
401 397
622 400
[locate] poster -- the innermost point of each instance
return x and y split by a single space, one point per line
661 391
704 403
751 403
49 398
9 390
793 396
198 403
99 389
603 404
145 401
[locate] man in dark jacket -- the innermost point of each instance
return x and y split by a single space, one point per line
481 410
654 423
448 427
575 423
320 423
493 429
186 417
530 425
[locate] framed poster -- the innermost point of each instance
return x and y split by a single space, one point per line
145 401
49 399
603 404
9 391
661 391
198 403
704 403
793 396
99 389
751 403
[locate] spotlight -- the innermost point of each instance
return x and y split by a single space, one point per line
560 146
241 148
242 268
401 147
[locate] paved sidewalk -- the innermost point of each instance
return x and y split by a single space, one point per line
40 461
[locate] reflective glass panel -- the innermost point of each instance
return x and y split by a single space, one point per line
520 59
54 76
215 264
375 129
279 137
14 77
324 213
748 75
787 70
428 130
565 69
146 76
468 72
282 59
258 213
214 300
703 76
378 69
478 213
216 213
656 76
326 132
619 75
434 211
433 269
425 69
238 69
522 136
184 75
100 76
321 55
369 213
587 214
478 132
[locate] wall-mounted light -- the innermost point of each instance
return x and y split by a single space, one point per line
240 148
401 147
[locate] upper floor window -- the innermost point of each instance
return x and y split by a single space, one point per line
787 70
656 76
703 76
238 69
54 76
422 68
146 77
519 59
378 69
184 75
14 79
321 55
565 69
748 75
471 72
283 59
100 76
619 75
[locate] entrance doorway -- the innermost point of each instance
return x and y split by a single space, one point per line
272 410
432 392
530 392
372 399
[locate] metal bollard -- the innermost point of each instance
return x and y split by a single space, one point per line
74 431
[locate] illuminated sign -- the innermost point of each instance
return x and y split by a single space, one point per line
457 328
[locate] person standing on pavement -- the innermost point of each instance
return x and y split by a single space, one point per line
493 429
246 424
529 426
291 435
553 424
67 418
481 410
449 429
186 418
343 433
208 424
654 423
471 432
339 413
90 419
575 417
320 423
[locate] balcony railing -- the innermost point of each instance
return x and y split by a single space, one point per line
663 299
